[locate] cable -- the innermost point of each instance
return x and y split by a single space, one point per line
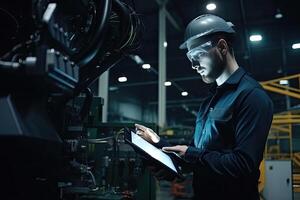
13 18
94 180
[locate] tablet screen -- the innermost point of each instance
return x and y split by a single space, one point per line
153 151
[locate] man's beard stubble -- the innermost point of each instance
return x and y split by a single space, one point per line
215 69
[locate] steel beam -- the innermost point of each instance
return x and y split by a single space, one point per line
162 67
103 82
175 24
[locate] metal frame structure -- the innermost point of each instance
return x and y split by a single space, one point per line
281 128
275 86
282 125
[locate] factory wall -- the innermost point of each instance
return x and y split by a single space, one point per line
126 107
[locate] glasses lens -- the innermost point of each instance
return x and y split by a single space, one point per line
196 53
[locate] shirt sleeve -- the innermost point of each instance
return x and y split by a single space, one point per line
253 119
162 143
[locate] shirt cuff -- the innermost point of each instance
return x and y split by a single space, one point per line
162 143
193 155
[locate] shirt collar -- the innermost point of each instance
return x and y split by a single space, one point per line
235 78
232 81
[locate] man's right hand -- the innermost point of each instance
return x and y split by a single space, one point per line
147 133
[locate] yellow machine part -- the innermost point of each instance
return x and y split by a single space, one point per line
261 180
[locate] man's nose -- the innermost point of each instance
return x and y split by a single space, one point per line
195 67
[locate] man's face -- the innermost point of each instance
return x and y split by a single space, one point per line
207 61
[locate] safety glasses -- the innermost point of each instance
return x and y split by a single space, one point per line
195 54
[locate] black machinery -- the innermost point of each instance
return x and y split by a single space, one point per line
52 51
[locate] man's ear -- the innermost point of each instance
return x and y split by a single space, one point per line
223 47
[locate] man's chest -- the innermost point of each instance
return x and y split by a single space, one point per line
215 122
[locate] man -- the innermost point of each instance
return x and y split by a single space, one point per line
232 124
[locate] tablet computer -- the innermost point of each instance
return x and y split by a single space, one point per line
145 148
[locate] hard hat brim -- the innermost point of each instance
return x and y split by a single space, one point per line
183 46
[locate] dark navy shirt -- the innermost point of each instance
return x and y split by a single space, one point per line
231 130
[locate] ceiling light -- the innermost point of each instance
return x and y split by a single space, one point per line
165 44
296 46
211 6
146 66
283 82
122 79
278 14
168 83
255 38
184 93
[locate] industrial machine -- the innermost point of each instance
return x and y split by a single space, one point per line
51 52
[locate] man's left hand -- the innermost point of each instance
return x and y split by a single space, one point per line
180 149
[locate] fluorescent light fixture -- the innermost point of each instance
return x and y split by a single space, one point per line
137 59
184 93
165 44
122 79
112 88
168 83
255 38
278 16
296 46
283 82
146 66
211 6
